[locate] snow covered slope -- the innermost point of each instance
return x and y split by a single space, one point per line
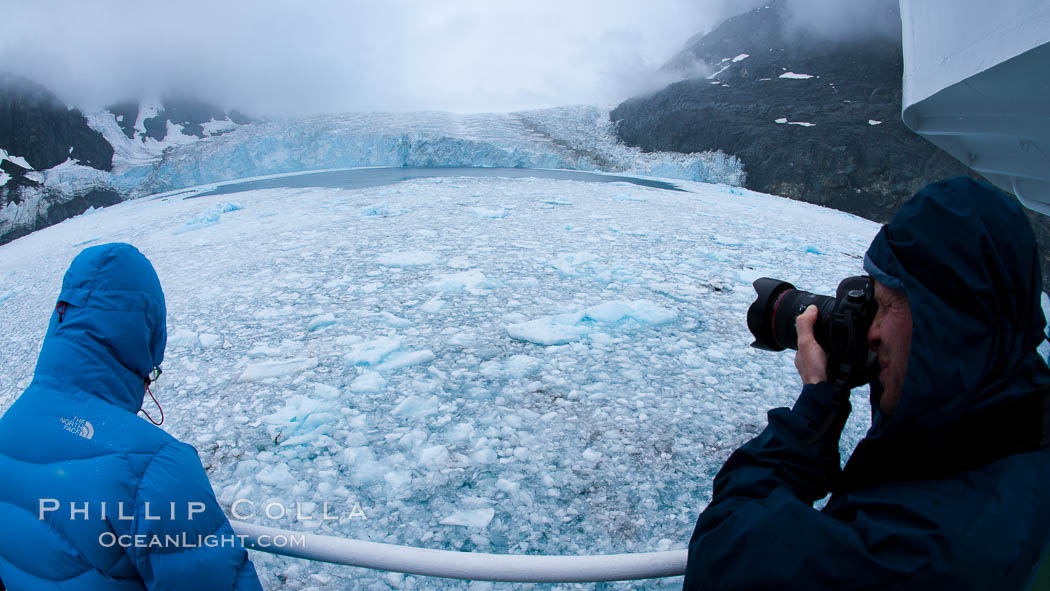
500 365
124 127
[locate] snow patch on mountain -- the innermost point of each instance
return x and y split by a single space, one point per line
20 161
141 152
214 127
147 110
783 121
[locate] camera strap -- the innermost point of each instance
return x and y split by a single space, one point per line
844 352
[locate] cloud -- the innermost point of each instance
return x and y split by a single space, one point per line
283 57
846 20
803 21
280 57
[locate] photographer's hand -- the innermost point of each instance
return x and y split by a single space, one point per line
810 359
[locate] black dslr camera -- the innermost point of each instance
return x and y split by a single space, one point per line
841 328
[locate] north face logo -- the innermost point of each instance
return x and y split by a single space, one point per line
78 426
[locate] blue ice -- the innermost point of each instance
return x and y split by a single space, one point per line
415 407
302 421
566 328
208 217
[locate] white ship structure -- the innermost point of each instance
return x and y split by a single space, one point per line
977 84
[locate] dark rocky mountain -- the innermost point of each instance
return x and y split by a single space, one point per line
18 181
36 126
189 113
844 160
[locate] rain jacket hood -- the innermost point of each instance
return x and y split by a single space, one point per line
72 442
108 331
965 256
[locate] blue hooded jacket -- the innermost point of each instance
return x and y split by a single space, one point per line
92 496
948 491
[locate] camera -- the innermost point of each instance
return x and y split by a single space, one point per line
841 328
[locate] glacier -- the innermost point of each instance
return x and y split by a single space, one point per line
575 138
572 138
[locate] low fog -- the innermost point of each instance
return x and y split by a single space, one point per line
845 20
282 58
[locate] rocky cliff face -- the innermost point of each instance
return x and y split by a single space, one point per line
36 126
812 118
38 132
815 120
42 141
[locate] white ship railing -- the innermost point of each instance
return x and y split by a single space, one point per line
462 565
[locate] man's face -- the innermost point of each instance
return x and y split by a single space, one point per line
890 338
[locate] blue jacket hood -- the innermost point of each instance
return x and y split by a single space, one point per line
73 437
111 332
965 256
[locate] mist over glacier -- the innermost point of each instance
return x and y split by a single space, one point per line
280 59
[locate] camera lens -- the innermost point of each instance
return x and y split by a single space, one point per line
771 318
841 327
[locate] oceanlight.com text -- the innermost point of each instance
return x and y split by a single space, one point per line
184 540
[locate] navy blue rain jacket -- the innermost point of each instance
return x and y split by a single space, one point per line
950 491
72 441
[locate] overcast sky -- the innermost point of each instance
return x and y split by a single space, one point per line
283 57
